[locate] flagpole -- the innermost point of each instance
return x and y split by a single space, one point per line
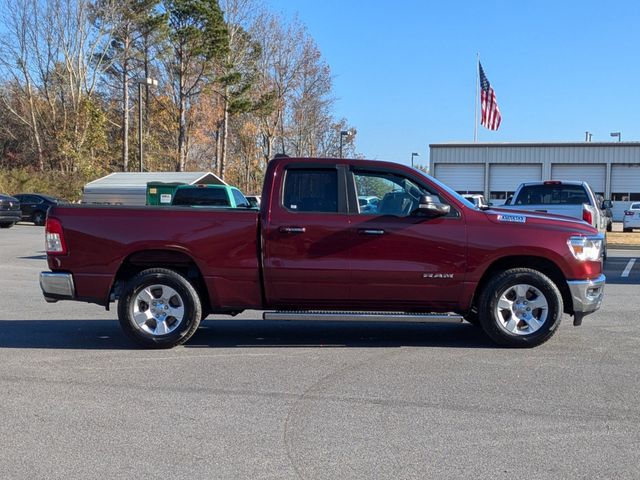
475 113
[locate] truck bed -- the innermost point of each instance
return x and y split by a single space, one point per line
221 243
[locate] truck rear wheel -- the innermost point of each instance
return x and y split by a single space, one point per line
159 308
520 307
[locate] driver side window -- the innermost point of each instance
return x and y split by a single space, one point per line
387 194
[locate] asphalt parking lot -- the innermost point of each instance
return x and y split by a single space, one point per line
252 399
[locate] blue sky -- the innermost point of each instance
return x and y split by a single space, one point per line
405 71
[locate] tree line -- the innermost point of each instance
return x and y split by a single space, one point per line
219 85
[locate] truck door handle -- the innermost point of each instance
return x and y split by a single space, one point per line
292 229
370 231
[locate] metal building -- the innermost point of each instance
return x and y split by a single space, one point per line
496 169
130 188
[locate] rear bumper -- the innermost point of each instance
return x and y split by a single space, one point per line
57 286
586 295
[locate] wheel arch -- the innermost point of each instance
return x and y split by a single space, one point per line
179 262
541 264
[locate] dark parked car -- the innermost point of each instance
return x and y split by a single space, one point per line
9 211
34 206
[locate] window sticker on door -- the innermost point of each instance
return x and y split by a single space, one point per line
512 218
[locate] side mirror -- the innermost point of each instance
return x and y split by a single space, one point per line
429 207
607 204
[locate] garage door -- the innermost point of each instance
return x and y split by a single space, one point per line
625 178
463 178
625 188
594 175
505 178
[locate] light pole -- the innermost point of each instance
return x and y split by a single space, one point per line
616 134
142 81
414 155
344 133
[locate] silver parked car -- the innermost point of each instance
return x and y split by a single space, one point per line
368 204
631 218
254 200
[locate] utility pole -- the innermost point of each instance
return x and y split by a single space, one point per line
142 81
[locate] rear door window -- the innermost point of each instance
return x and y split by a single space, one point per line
552 194
213 197
311 190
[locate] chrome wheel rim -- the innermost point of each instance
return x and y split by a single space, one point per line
157 310
522 309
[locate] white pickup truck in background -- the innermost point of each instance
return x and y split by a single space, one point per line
572 199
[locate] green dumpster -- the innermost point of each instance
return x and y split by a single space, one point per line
161 193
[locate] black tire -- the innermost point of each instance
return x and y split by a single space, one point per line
609 227
174 294
508 327
39 218
627 230
7 224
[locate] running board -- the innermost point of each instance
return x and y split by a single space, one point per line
364 317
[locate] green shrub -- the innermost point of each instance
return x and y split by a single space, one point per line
63 185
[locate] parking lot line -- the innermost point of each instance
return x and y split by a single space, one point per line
627 269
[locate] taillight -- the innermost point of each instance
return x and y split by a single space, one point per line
587 216
54 237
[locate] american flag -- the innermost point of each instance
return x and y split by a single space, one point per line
490 111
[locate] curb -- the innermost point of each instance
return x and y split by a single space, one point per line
620 246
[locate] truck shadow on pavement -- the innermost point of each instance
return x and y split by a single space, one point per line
107 335
263 333
63 334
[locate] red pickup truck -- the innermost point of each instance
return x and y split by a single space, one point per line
334 240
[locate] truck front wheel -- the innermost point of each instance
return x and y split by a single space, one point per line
159 308
520 307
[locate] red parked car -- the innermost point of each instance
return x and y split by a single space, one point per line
424 254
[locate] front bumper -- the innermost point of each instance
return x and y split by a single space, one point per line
57 286
10 216
587 296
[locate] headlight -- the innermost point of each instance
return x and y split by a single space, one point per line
586 248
